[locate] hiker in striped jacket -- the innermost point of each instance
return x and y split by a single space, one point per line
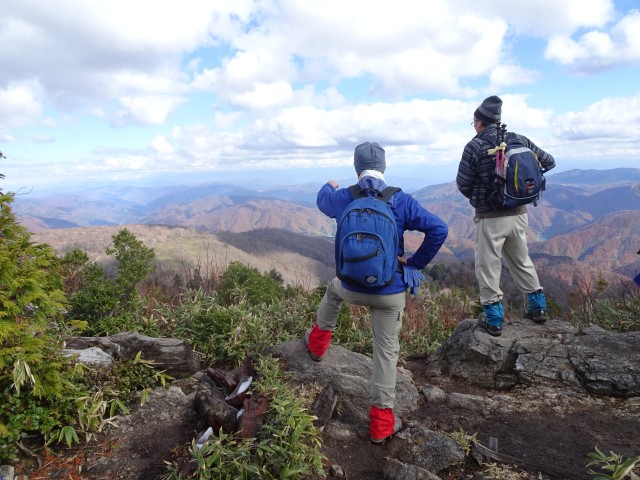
500 234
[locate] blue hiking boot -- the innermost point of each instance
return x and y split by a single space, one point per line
491 318
536 306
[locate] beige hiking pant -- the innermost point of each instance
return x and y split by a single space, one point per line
386 323
503 237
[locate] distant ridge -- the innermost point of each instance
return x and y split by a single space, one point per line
580 218
595 177
40 223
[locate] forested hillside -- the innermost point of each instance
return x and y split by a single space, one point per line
584 226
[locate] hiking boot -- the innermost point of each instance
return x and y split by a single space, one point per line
536 307
491 318
397 426
305 338
380 425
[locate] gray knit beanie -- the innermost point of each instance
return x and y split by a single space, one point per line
490 110
369 156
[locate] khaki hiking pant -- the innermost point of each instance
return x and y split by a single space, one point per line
503 237
386 323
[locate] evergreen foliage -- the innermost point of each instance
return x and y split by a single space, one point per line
36 381
241 283
109 304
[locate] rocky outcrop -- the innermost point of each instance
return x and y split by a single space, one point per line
555 354
538 368
171 355
348 374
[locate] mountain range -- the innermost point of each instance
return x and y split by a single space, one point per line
586 221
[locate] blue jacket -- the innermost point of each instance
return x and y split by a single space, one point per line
410 215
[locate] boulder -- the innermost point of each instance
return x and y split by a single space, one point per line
93 356
348 374
554 354
171 355
424 448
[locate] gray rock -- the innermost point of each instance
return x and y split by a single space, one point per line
607 363
141 437
471 403
417 445
396 470
348 374
93 356
434 394
324 405
7 472
345 432
554 355
336 471
172 355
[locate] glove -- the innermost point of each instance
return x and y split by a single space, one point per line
412 278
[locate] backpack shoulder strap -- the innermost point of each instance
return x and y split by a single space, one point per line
389 192
358 192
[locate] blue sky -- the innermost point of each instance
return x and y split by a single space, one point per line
158 91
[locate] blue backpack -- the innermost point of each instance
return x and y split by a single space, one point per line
367 240
518 176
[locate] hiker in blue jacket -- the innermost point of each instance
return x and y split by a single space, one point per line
386 303
500 233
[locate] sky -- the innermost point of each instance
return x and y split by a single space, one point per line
150 92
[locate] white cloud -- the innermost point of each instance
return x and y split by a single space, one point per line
85 53
19 105
96 51
43 139
417 131
276 83
613 118
264 96
598 49
146 109
310 133
161 145
429 50
226 120
543 18
116 163
503 76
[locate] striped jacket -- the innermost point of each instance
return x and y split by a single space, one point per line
475 172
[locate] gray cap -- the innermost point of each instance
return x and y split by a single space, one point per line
369 156
490 110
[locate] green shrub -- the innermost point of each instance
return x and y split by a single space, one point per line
96 296
132 380
612 466
614 306
38 418
243 284
225 333
217 332
31 286
109 304
431 317
38 397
